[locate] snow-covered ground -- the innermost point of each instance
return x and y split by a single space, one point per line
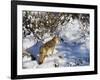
72 51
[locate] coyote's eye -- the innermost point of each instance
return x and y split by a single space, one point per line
62 40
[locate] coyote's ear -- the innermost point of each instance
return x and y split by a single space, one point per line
56 35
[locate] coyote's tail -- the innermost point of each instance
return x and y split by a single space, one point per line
41 56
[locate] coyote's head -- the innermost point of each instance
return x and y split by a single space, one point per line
56 39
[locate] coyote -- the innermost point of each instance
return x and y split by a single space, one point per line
47 49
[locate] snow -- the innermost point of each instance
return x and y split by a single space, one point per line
30 64
29 41
26 58
60 58
71 31
73 51
49 62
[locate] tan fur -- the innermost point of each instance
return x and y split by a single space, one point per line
47 48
